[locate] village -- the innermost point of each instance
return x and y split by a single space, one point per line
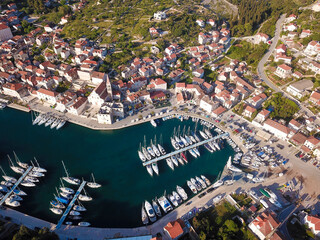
41 68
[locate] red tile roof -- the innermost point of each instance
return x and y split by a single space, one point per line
48 92
175 228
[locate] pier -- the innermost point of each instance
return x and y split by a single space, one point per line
184 149
68 209
16 185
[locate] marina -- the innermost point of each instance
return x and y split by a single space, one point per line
111 156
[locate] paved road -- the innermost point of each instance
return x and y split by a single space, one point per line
265 58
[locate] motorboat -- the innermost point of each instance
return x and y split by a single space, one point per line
149 169
27 183
208 133
153 123
174 144
180 160
196 184
155 168
61 124
144 216
37 119
183 156
275 202
161 149
206 145
177 197
150 151
74 213
216 145
84 224
217 184
192 153
93 184
165 204
150 211
145 153
49 122
182 193
173 200
175 161
57 211
55 123
205 136
196 151
203 184
169 162
206 180
35 174
155 150
192 187
141 156
156 208
43 119
12 203
57 204
31 179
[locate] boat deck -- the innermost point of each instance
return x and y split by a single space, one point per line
66 212
16 185
184 149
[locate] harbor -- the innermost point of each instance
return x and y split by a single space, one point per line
110 158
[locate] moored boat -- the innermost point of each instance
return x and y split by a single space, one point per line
84 224
153 123
196 184
55 123
192 187
184 157
141 156
206 180
144 216
149 169
162 150
182 193
145 153
203 135
164 204
57 204
79 208
155 150
196 151
155 168
174 160
57 211
61 124
192 153
27 184
180 160
156 208
208 133
93 184
150 151
206 145
169 162
177 197
203 184
84 197
150 211
12 203
74 213
173 200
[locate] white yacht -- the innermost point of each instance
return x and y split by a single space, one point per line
216 145
203 184
275 202
61 124
188 139
174 160
179 142
211 144
93 184
182 193
177 197
180 160
196 184
145 153
192 153
141 156
163 152
31 179
164 204
156 208
173 200
15 168
192 139
4 188
37 119
217 184
206 180
84 198
84 224
174 144
203 135
155 168
12 203
66 195
67 190
185 142
155 150
149 169
27 184
208 133
153 123
69 179
150 151
196 151
43 119
169 162
150 211
55 123
49 122
9 179
15 197
7 184
21 164
144 216
192 187
35 174
74 213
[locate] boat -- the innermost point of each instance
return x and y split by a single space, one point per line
180 160
55 123
203 135
68 223
211 144
175 161
49 122
173 200
144 216
84 224
21 164
69 179
27 184
66 195
192 138
37 119
185 142
181 144
182 193
163 152
43 119
153 123
12 203
67 190
217 184
192 153
4 188
145 153
93 184
177 197
57 211
150 211
74 213
202 183
264 203
9 179
74 217
7 184
192 187
206 145
164 204
188 139
57 204
15 168
183 156
216 145
206 180
62 199
155 150
272 195
61 124
141 156
196 137
84 197
174 144
156 208
208 133
149 169
31 179
38 168
35 174
275 202
155 168
15 197
79 207
196 151
150 151
169 162
231 167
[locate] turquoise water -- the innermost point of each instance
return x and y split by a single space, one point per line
110 155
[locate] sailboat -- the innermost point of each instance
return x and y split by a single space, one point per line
7 184
31 179
141 155
84 197
203 135
15 168
179 159
208 133
21 164
66 189
38 168
183 156
174 160
4 188
55 123
149 169
191 151
155 168
8 178
93 184
154 148
74 213
161 149
150 151
79 207
57 211
169 162
144 151
19 192
69 179
231 167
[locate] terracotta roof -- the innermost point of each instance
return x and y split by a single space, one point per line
267 222
48 92
79 102
13 86
313 140
284 67
277 126
314 220
219 110
250 109
99 75
3 26
175 228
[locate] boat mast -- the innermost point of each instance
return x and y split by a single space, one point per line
155 140
3 171
161 139
16 157
144 141
93 178
65 169
36 162
10 161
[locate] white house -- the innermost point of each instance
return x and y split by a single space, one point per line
299 89
14 90
201 23
279 130
48 95
283 71
160 15
78 106
157 84
207 104
98 77
311 143
313 223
